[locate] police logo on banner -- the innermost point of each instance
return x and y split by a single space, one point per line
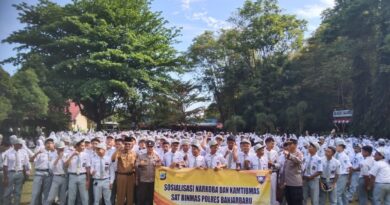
163 175
261 179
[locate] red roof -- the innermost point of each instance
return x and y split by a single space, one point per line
74 110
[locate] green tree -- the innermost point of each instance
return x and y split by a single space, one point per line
29 101
100 52
6 93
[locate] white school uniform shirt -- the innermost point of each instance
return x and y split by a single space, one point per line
171 157
321 151
273 156
242 157
231 164
188 154
43 160
381 171
79 163
366 165
330 168
311 165
59 167
345 163
356 160
259 163
103 168
213 160
110 151
195 162
16 160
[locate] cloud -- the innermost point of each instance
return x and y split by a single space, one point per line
314 10
211 22
186 4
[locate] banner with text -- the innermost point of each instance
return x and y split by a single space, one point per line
200 186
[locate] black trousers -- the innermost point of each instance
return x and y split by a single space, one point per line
145 193
294 195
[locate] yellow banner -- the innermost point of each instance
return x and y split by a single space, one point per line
200 186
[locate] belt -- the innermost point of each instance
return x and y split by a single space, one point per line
381 183
322 178
100 179
15 171
125 173
77 174
60 175
42 170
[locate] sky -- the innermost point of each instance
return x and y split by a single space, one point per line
192 16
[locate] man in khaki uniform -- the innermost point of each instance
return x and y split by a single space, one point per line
125 178
147 163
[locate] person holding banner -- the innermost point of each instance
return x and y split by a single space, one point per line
173 158
231 152
259 162
214 160
244 157
147 164
197 161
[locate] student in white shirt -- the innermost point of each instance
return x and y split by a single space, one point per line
230 153
197 161
345 166
78 165
259 162
380 178
244 156
15 167
173 158
311 171
43 178
329 177
214 160
102 171
364 177
58 186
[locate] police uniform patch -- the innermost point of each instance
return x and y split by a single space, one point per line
261 179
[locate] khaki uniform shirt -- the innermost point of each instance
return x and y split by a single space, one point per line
125 161
147 171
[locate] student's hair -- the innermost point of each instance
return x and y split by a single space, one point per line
367 149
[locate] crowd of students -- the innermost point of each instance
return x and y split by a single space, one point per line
119 168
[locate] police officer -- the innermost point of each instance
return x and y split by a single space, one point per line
15 167
380 178
147 164
102 171
58 186
312 171
125 176
329 177
78 165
